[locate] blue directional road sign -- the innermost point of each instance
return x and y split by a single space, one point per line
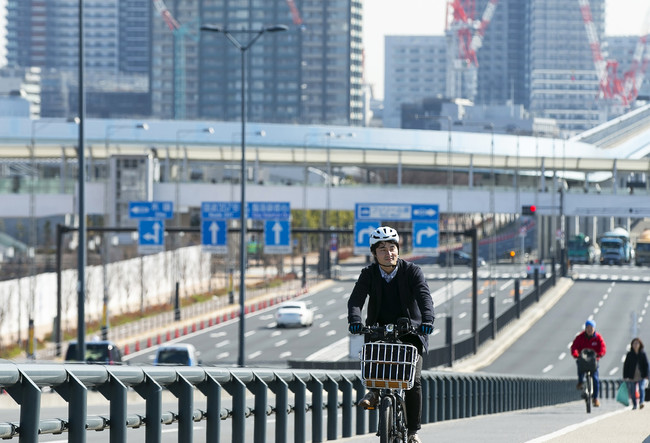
362 231
425 237
214 236
220 210
268 210
424 212
277 237
151 236
153 209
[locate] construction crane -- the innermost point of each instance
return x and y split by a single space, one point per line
181 32
465 37
295 14
612 88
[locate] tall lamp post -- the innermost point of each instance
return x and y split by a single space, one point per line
110 129
256 34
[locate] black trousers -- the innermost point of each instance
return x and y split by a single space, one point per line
413 400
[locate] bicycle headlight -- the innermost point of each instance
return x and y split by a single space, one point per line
390 328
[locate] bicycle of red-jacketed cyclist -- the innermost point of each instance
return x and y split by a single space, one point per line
389 365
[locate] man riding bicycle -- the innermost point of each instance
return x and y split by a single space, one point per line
589 339
395 288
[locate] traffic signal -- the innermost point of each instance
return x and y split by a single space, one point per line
528 210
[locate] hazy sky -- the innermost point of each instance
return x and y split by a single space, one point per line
427 17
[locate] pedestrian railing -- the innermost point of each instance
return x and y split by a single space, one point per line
320 401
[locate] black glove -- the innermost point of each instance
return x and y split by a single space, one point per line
426 328
355 328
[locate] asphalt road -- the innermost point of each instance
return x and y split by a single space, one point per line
328 339
618 309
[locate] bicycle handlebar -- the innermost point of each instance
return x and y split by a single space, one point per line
389 331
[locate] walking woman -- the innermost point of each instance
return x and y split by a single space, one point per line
635 371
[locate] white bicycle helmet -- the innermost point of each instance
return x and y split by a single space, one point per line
384 233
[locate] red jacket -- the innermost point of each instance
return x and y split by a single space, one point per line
594 342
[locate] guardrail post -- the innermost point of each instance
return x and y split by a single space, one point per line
280 388
424 416
74 392
28 395
449 339
183 391
433 399
212 390
332 388
361 414
261 400
151 391
536 280
346 390
493 316
237 389
316 388
299 389
518 297
115 392
442 398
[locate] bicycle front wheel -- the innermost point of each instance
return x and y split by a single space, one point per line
590 391
385 420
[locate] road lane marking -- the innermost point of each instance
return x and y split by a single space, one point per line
334 352
249 333
303 333
338 289
285 354
266 317
217 334
561 356
462 315
330 302
331 332
464 332
223 355
221 344
546 369
318 316
254 355
613 371
342 316
275 333
571 428
324 324
281 343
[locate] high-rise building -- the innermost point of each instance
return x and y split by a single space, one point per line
44 34
311 73
562 81
622 49
415 68
502 57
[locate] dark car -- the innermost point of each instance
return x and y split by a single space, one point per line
459 258
104 352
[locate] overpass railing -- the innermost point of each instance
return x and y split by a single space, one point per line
323 401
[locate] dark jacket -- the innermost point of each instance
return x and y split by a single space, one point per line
631 360
415 296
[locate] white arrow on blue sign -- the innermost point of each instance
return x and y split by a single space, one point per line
425 237
151 236
153 209
362 231
277 237
214 236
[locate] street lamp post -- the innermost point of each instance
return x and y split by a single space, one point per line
105 243
256 33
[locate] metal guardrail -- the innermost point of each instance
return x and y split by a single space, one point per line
445 396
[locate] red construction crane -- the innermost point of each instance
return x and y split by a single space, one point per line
295 14
469 31
609 82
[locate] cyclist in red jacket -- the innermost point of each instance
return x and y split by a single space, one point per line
591 339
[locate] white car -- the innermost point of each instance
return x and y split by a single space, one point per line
294 313
179 354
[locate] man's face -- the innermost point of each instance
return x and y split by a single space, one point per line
387 254
589 330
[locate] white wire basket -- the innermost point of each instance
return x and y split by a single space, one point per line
388 365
